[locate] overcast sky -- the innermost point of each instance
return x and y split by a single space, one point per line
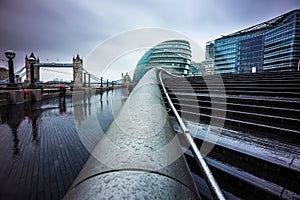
55 30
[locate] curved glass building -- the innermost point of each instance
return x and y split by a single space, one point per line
173 55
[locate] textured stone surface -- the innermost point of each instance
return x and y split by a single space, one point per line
131 185
41 152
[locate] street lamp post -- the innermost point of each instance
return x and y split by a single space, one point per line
31 61
9 54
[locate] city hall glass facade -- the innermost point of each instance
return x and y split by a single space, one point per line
172 55
270 46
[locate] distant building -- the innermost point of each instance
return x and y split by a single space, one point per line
172 55
208 66
270 46
205 67
3 73
210 50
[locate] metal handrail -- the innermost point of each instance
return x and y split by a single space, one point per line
209 178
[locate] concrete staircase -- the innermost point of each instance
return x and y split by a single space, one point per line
258 152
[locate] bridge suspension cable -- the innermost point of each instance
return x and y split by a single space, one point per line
91 75
52 70
20 71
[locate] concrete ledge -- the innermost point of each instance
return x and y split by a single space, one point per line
3 102
36 94
4 98
16 96
49 96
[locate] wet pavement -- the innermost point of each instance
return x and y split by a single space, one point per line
41 149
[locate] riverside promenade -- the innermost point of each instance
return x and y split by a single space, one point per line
41 150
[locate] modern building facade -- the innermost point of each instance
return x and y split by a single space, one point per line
210 51
270 46
172 55
206 67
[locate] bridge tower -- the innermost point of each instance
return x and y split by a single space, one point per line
36 69
77 71
126 79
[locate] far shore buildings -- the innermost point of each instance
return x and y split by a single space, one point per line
273 45
3 74
206 67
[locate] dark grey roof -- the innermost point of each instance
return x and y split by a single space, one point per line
3 69
271 23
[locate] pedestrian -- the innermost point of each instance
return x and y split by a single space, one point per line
64 90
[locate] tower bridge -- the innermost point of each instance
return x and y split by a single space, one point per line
81 76
79 72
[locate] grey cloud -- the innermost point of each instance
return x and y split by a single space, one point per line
62 28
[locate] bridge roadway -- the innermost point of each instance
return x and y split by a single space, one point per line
41 151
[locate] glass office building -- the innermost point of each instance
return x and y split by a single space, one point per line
270 46
173 55
210 50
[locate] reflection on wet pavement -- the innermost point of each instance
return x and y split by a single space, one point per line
41 151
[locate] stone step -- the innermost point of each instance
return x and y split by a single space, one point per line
268 110
276 102
263 119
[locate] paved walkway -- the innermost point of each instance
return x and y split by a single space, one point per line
40 150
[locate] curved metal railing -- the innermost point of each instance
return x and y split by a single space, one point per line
209 178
